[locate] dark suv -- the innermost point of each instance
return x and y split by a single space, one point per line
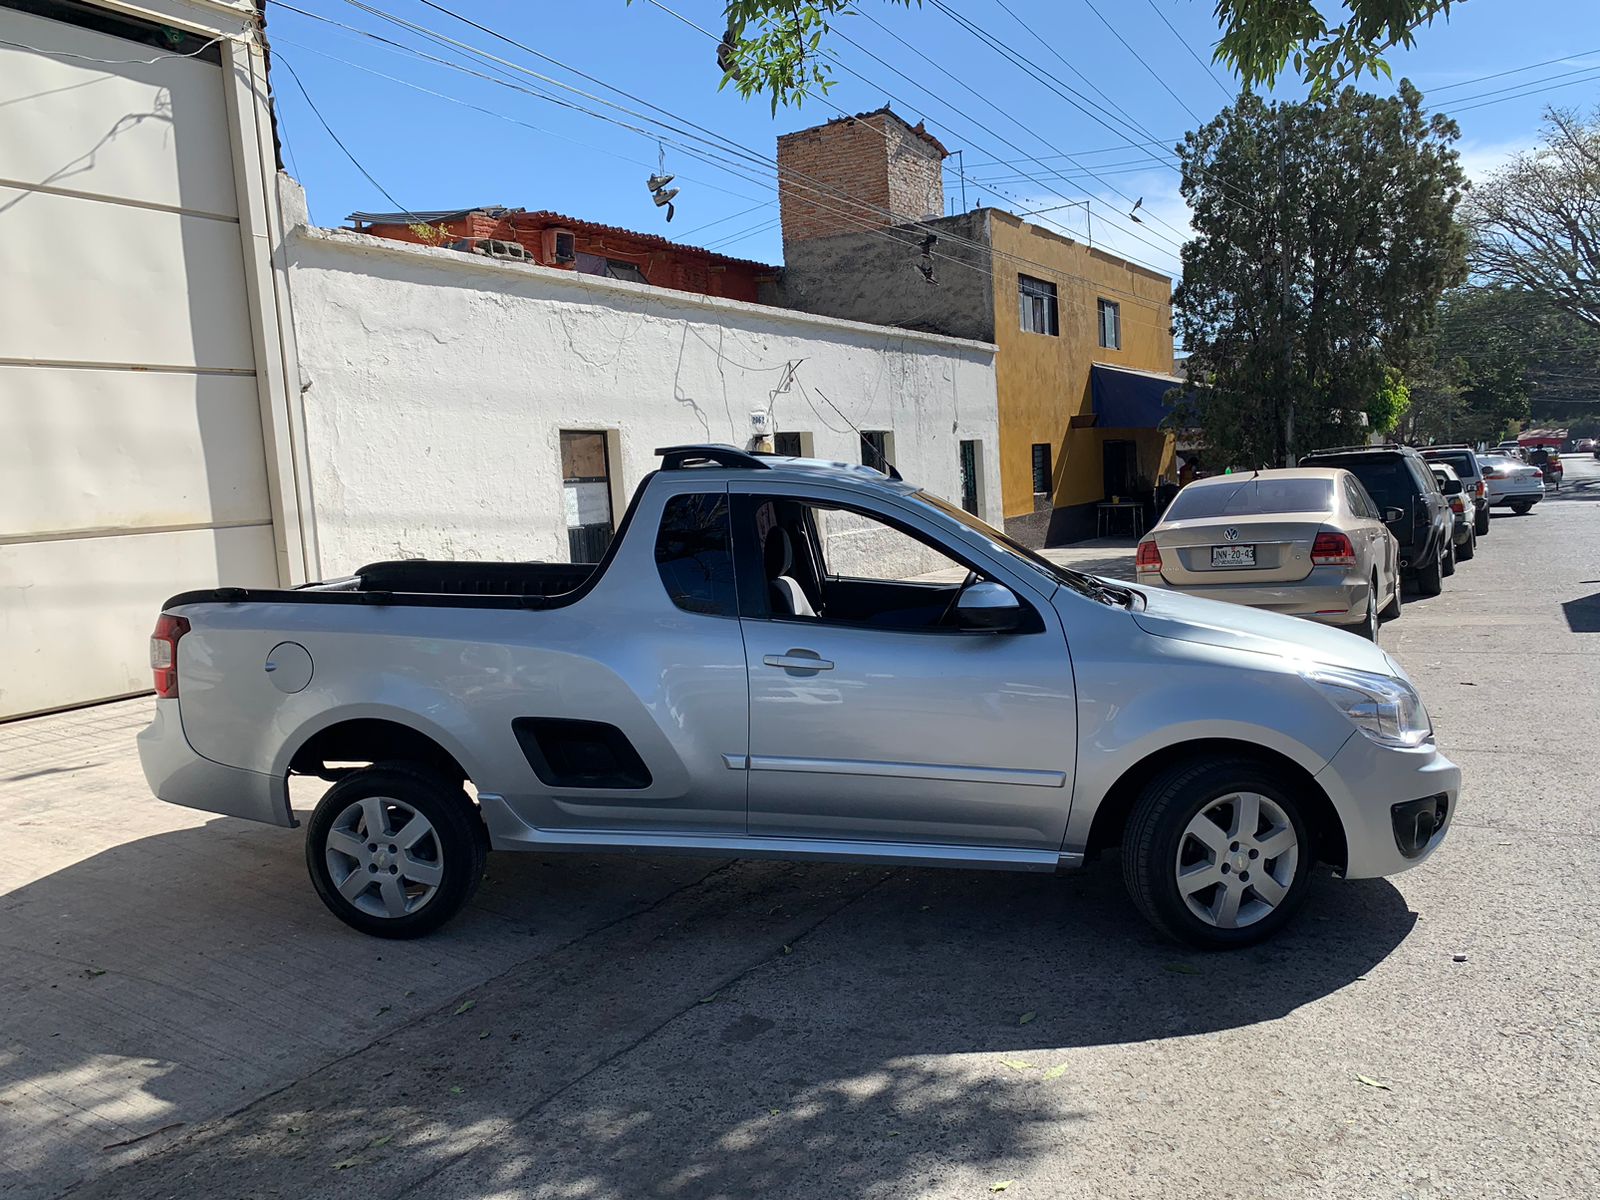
1465 464
1415 510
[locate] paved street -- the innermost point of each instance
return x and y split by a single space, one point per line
180 1017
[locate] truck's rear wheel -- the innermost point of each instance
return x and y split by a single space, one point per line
395 850
1217 853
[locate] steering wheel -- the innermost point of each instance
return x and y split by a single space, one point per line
949 609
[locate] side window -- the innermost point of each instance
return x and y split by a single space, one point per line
694 554
856 546
1359 504
1426 478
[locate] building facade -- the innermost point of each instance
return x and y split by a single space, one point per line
1084 337
458 406
569 244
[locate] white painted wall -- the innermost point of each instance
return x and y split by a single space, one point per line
437 384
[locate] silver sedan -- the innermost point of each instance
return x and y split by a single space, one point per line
1307 542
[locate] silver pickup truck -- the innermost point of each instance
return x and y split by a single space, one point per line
785 657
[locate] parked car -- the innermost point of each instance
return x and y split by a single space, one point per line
1465 464
1307 542
1405 491
1512 483
1465 534
1584 446
760 666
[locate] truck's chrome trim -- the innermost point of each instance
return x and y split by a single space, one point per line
902 770
736 762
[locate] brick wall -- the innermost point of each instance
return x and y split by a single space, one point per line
869 171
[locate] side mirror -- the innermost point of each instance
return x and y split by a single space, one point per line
1391 515
1452 487
986 605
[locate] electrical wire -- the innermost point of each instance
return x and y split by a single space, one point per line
118 62
312 104
850 219
878 87
1565 58
1205 66
1594 73
1182 103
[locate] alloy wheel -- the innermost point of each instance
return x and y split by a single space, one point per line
1237 860
384 856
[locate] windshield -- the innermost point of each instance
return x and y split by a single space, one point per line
1463 462
1005 545
1387 480
1198 501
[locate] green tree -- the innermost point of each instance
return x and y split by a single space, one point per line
777 48
1536 222
1389 404
1325 233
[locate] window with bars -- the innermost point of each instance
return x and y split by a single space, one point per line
1037 301
1041 469
1110 324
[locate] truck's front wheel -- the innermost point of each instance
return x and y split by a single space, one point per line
395 850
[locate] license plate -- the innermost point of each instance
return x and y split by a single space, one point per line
1233 556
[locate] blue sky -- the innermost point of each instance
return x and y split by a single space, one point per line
479 142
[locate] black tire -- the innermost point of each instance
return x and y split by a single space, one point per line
454 849
1368 628
1469 548
1480 523
1155 835
1448 567
1521 507
1393 608
1430 581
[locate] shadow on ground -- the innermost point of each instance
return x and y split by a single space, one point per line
755 1029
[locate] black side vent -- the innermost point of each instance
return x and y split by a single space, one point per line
580 754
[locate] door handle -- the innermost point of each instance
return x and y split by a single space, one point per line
798 660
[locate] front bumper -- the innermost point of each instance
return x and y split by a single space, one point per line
1367 781
1341 601
178 775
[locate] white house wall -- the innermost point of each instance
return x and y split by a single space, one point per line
437 385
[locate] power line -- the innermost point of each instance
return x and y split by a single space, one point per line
1070 94
1565 58
909 241
312 104
1533 91
1182 103
987 129
1205 66
873 84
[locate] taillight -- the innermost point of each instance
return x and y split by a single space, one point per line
1457 504
1333 549
1480 489
1148 558
164 653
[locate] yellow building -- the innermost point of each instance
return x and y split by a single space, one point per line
1084 336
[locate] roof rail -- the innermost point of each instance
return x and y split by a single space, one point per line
676 458
1351 449
1446 446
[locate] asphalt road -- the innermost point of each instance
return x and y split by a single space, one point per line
609 1027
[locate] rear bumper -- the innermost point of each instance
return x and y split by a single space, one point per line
1515 491
178 775
1368 783
1340 602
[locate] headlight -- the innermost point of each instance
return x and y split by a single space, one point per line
1386 709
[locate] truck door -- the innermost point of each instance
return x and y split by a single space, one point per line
873 716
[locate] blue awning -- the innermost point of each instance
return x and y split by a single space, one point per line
1128 399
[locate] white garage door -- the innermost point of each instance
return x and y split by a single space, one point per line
131 460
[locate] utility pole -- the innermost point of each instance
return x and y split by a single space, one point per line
961 171
1285 278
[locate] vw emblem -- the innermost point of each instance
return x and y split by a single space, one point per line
1230 534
